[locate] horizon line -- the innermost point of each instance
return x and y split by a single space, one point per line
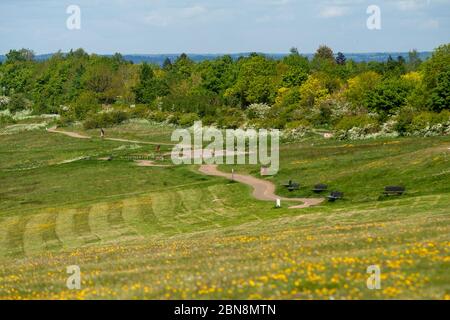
218 53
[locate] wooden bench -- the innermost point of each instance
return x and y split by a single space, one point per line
394 191
292 186
288 184
318 188
335 195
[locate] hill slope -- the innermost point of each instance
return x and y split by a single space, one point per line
166 233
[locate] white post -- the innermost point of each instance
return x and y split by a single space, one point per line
232 174
278 205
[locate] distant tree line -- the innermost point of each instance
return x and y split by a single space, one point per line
328 91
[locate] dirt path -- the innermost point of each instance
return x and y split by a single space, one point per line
149 163
70 134
262 189
140 142
80 136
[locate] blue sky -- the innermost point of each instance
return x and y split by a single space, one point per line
223 26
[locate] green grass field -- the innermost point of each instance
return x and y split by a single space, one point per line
172 233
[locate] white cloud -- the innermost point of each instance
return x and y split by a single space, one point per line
430 24
168 16
411 5
192 12
333 11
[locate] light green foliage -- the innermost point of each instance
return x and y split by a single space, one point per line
359 86
320 91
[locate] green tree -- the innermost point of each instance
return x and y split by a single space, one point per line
341 59
17 103
440 94
149 88
324 53
256 81
294 77
436 71
388 97
414 60
19 55
167 64
359 86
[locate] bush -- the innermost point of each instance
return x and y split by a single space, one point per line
295 130
359 121
105 120
298 124
140 111
6 119
187 120
17 103
65 121
258 110
403 120
4 102
158 116
85 104
429 123
388 97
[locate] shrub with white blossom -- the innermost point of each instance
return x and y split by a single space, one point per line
258 110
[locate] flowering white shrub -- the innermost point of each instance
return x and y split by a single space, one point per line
16 128
4 100
432 130
368 132
294 134
22 115
258 110
388 130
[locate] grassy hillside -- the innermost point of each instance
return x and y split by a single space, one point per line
167 233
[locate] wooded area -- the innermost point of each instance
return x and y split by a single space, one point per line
399 96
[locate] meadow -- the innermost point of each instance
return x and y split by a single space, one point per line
172 233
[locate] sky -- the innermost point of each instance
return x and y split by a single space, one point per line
223 26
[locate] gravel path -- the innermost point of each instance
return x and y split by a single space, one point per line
262 189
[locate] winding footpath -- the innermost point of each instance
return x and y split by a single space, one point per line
262 189
66 133
80 136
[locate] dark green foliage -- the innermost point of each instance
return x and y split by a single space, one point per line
294 77
256 81
324 53
17 103
167 65
149 88
341 59
436 78
105 120
6 120
388 97
440 95
19 56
